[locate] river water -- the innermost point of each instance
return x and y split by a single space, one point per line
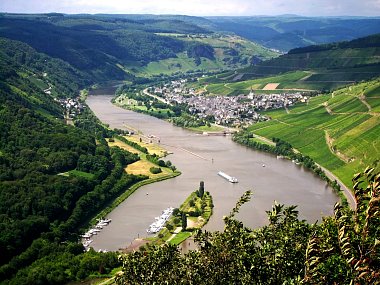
199 158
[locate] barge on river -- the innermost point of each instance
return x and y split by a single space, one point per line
227 177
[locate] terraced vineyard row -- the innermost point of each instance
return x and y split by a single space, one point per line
337 130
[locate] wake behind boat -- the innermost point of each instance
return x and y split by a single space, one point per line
227 177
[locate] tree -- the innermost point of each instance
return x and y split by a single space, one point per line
201 190
184 221
345 249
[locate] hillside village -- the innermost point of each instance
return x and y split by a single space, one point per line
72 106
224 110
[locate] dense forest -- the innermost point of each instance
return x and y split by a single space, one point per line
99 46
43 203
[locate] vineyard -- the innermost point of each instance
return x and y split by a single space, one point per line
337 130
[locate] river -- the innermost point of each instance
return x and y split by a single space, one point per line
199 158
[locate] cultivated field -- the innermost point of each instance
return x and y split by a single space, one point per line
337 130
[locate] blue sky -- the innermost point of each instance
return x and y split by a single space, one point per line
198 7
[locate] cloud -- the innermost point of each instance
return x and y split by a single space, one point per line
198 7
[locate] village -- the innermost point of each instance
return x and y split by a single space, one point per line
72 107
237 110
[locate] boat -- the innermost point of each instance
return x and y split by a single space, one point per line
227 177
160 221
86 243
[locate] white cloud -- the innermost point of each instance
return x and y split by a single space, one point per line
198 7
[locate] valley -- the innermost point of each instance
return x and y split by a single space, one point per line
199 158
200 95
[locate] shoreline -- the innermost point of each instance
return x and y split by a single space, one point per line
346 190
117 201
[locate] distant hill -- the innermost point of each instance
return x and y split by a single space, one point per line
120 46
290 31
327 66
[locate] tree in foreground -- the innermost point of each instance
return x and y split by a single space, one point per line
238 255
341 250
345 248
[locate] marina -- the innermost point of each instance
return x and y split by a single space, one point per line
94 231
160 221
227 177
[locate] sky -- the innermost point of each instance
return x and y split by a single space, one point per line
198 7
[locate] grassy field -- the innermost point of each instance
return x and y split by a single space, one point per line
344 140
123 146
180 237
373 91
78 173
221 45
149 143
142 167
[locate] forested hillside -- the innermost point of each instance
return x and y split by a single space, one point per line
43 202
23 64
107 47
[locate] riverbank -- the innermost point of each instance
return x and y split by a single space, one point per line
285 150
193 214
153 178
200 158
347 191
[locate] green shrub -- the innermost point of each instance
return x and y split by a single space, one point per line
155 170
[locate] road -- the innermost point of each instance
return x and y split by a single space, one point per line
145 91
347 192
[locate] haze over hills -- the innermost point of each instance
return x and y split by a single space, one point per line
291 31
125 46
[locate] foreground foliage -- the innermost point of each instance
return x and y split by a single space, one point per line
341 250
345 249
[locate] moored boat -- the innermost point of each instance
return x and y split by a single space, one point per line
160 221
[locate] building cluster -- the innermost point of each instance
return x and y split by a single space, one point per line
72 106
225 110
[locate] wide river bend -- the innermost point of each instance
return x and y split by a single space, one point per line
199 158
